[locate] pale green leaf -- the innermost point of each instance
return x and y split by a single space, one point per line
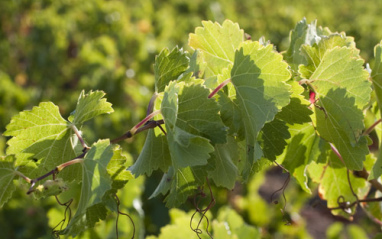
42 135
117 168
216 44
169 66
95 183
89 106
342 90
259 77
302 34
7 174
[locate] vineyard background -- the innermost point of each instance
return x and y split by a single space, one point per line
51 50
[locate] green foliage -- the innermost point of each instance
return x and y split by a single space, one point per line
261 114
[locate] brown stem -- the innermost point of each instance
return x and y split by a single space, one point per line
128 134
56 170
371 128
150 107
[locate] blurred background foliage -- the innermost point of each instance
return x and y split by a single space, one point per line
52 49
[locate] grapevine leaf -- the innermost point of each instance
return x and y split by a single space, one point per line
186 149
297 111
89 106
303 147
216 44
169 66
334 183
95 183
342 89
155 155
7 174
117 168
273 138
165 184
303 34
376 76
183 185
225 172
43 135
199 115
259 77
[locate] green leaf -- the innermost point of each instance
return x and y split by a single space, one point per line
199 115
43 135
225 171
183 185
89 106
186 149
303 34
302 148
343 90
376 76
216 44
273 138
334 183
259 76
155 155
169 66
7 174
297 111
117 168
95 183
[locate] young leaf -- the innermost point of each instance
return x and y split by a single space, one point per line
7 174
303 34
169 66
95 183
117 168
217 44
43 135
259 77
343 90
89 106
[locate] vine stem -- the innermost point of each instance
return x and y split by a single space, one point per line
147 118
371 128
23 176
59 168
79 136
224 83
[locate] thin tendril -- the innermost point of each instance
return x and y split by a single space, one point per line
119 212
202 212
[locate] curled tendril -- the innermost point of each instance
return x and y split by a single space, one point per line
127 215
67 211
285 185
197 199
